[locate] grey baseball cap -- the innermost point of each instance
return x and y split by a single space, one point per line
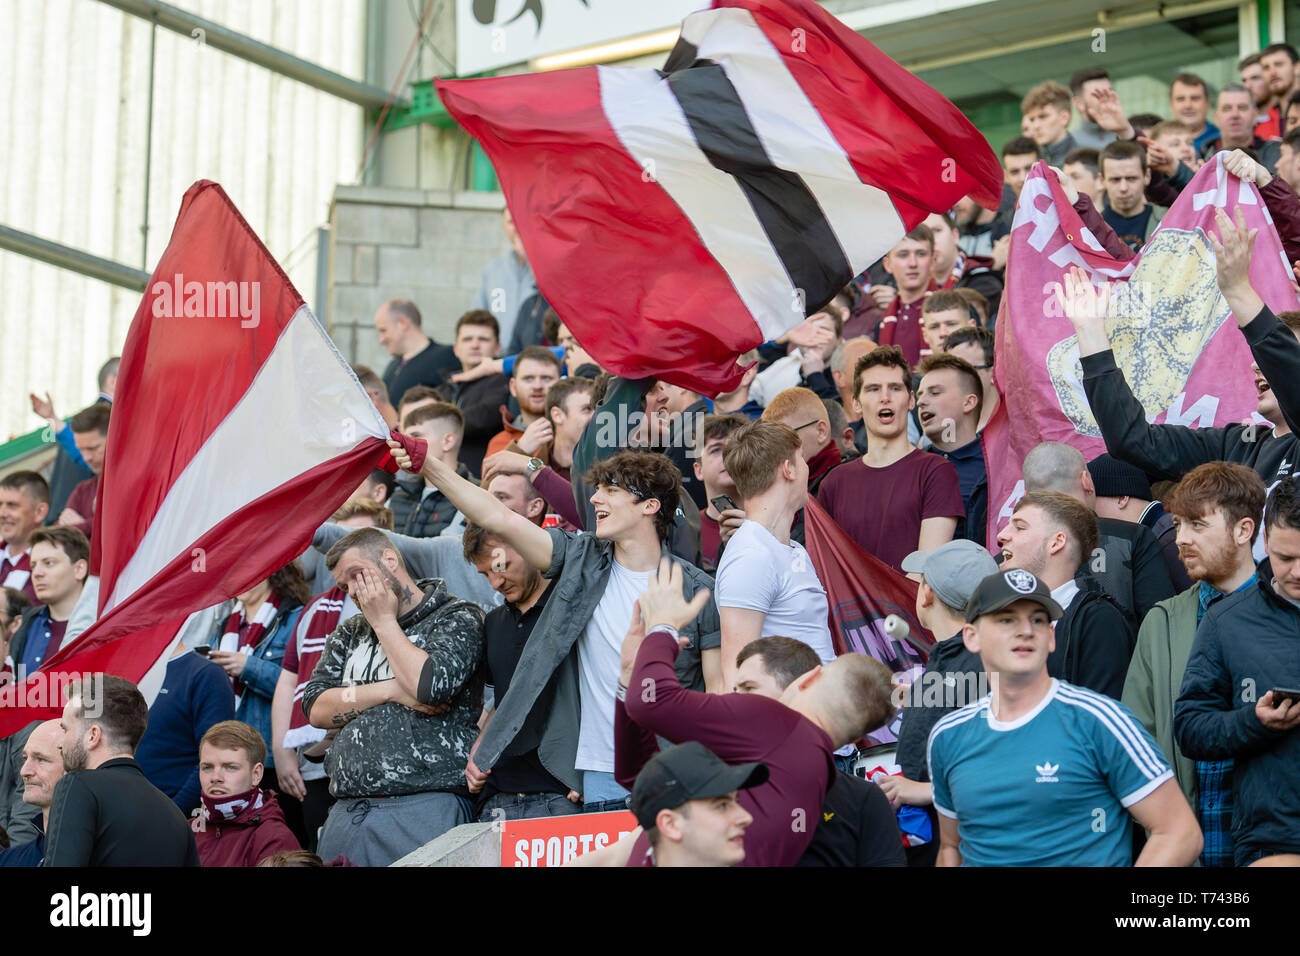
953 571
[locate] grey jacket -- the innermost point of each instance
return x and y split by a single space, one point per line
17 818
440 557
391 750
541 710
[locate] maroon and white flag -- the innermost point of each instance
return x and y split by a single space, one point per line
675 219
1170 328
237 429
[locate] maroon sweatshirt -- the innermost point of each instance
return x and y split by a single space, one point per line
246 840
739 728
82 501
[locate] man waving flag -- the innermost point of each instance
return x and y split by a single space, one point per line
237 429
676 219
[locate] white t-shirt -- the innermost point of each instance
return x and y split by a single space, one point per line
759 573
599 650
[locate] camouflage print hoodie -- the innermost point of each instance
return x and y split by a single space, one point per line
391 750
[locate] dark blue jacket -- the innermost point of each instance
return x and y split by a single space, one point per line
1248 644
262 673
195 694
26 854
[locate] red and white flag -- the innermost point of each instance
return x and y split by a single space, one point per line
237 429
675 219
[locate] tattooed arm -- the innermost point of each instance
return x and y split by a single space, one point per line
328 703
334 708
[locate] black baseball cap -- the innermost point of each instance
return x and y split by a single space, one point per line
689 771
1006 588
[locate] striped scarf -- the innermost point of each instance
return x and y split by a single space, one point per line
229 807
318 621
958 268
244 637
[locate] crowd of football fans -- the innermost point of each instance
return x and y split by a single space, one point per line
586 567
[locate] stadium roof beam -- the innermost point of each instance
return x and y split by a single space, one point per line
76 260
254 51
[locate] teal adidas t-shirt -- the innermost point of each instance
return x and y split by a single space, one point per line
1048 789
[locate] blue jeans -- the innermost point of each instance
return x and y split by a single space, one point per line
601 792
525 806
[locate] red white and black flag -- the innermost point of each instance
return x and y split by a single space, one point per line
677 218
237 429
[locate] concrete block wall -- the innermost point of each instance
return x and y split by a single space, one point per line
425 245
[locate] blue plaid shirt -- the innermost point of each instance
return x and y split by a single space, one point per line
1214 777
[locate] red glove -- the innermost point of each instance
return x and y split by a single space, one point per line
415 447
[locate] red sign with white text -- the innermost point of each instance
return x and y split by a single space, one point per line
553 841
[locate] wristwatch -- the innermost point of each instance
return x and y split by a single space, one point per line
533 467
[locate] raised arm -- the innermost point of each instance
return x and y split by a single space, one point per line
479 506
1272 344
420 555
1162 451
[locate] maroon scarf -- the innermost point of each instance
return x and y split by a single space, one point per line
823 461
230 807
239 634
319 620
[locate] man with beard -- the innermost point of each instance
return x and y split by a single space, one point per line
402 682
104 811
1267 124
1278 61
1089 132
535 370
1216 511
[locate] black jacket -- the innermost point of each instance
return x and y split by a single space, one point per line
1131 567
948 658
419 515
1161 524
1094 641
113 816
425 368
480 402
1167 452
1248 644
